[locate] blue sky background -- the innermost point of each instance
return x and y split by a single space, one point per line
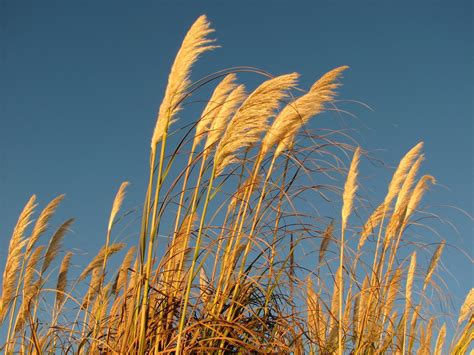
81 82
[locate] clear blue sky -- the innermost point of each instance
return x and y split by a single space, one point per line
81 82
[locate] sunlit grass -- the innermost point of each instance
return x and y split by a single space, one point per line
235 273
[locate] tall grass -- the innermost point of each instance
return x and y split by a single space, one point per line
232 276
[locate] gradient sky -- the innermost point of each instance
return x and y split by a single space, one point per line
81 82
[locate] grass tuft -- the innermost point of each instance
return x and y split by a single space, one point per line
248 265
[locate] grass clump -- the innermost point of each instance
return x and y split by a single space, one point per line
232 275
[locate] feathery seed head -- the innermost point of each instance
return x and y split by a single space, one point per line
251 119
62 279
433 263
55 244
410 278
123 272
350 187
215 104
297 113
405 190
218 126
117 203
31 271
467 309
14 257
440 340
369 226
312 306
335 301
30 288
287 143
99 258
327 236
401 173
42 223
417 194
194 44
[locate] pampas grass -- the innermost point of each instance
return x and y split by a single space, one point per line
297 113
400 174
15 257
219 124
117 204
467 309
194 44
54 245
61 283
122 275
42 222
213 107
242 266
440 340
97 261
251 119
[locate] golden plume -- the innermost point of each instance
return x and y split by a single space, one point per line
194 44
433 263
232 102
55 244
467 309
410 278
117 203
251 119
14 257
350 188
62 279
99 258
215 104
30 288
298 112
417 194
316 324
369 226
404 194
440 340
327 236
398 217
401 173
42 223
123 272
